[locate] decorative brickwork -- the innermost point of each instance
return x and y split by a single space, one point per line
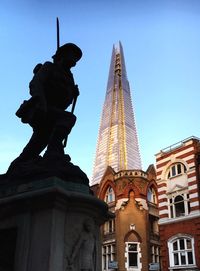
179 209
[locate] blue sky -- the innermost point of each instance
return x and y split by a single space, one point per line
161 42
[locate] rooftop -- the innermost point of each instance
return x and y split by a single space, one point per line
179 144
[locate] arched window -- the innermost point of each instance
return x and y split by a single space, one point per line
179 205
176 169
151 195
110 195
181 252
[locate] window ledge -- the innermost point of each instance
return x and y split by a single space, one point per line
177 175
178 219
181 267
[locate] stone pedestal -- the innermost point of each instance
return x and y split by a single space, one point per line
43 226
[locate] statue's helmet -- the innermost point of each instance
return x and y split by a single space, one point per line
68 48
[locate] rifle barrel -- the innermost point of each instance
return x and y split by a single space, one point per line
58 33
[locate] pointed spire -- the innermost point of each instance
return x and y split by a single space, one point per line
117 141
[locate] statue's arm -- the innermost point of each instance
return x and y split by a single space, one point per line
37 85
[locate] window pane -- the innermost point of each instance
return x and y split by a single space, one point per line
178 199
180 209
188 207
176 261
189 244
171 211
173 171
182 245
179 168
133 259
190 258
104 262
132 247
109 197
175 246
183 259
149 195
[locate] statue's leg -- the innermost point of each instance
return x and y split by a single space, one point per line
36 144
62 128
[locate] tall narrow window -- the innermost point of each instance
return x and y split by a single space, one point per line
109 226
110 195
151 195
133 254
155 252
108 256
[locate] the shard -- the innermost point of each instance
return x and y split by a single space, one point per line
117 144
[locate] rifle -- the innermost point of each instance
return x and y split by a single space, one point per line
77 92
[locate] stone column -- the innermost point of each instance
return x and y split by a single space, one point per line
50 225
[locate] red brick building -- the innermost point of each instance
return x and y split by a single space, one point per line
130 240
178 179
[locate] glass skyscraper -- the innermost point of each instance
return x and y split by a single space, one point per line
117 144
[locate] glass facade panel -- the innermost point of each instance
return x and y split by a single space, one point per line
117 144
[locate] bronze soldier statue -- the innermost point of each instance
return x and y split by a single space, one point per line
52 90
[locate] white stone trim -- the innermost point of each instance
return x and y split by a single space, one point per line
111 241
120 203
188 158
166 220
191 179
194 204
193 195
143 202
191 164
164 212
173 156
161 189
163 196
188 142
163 204
139 268
192 187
